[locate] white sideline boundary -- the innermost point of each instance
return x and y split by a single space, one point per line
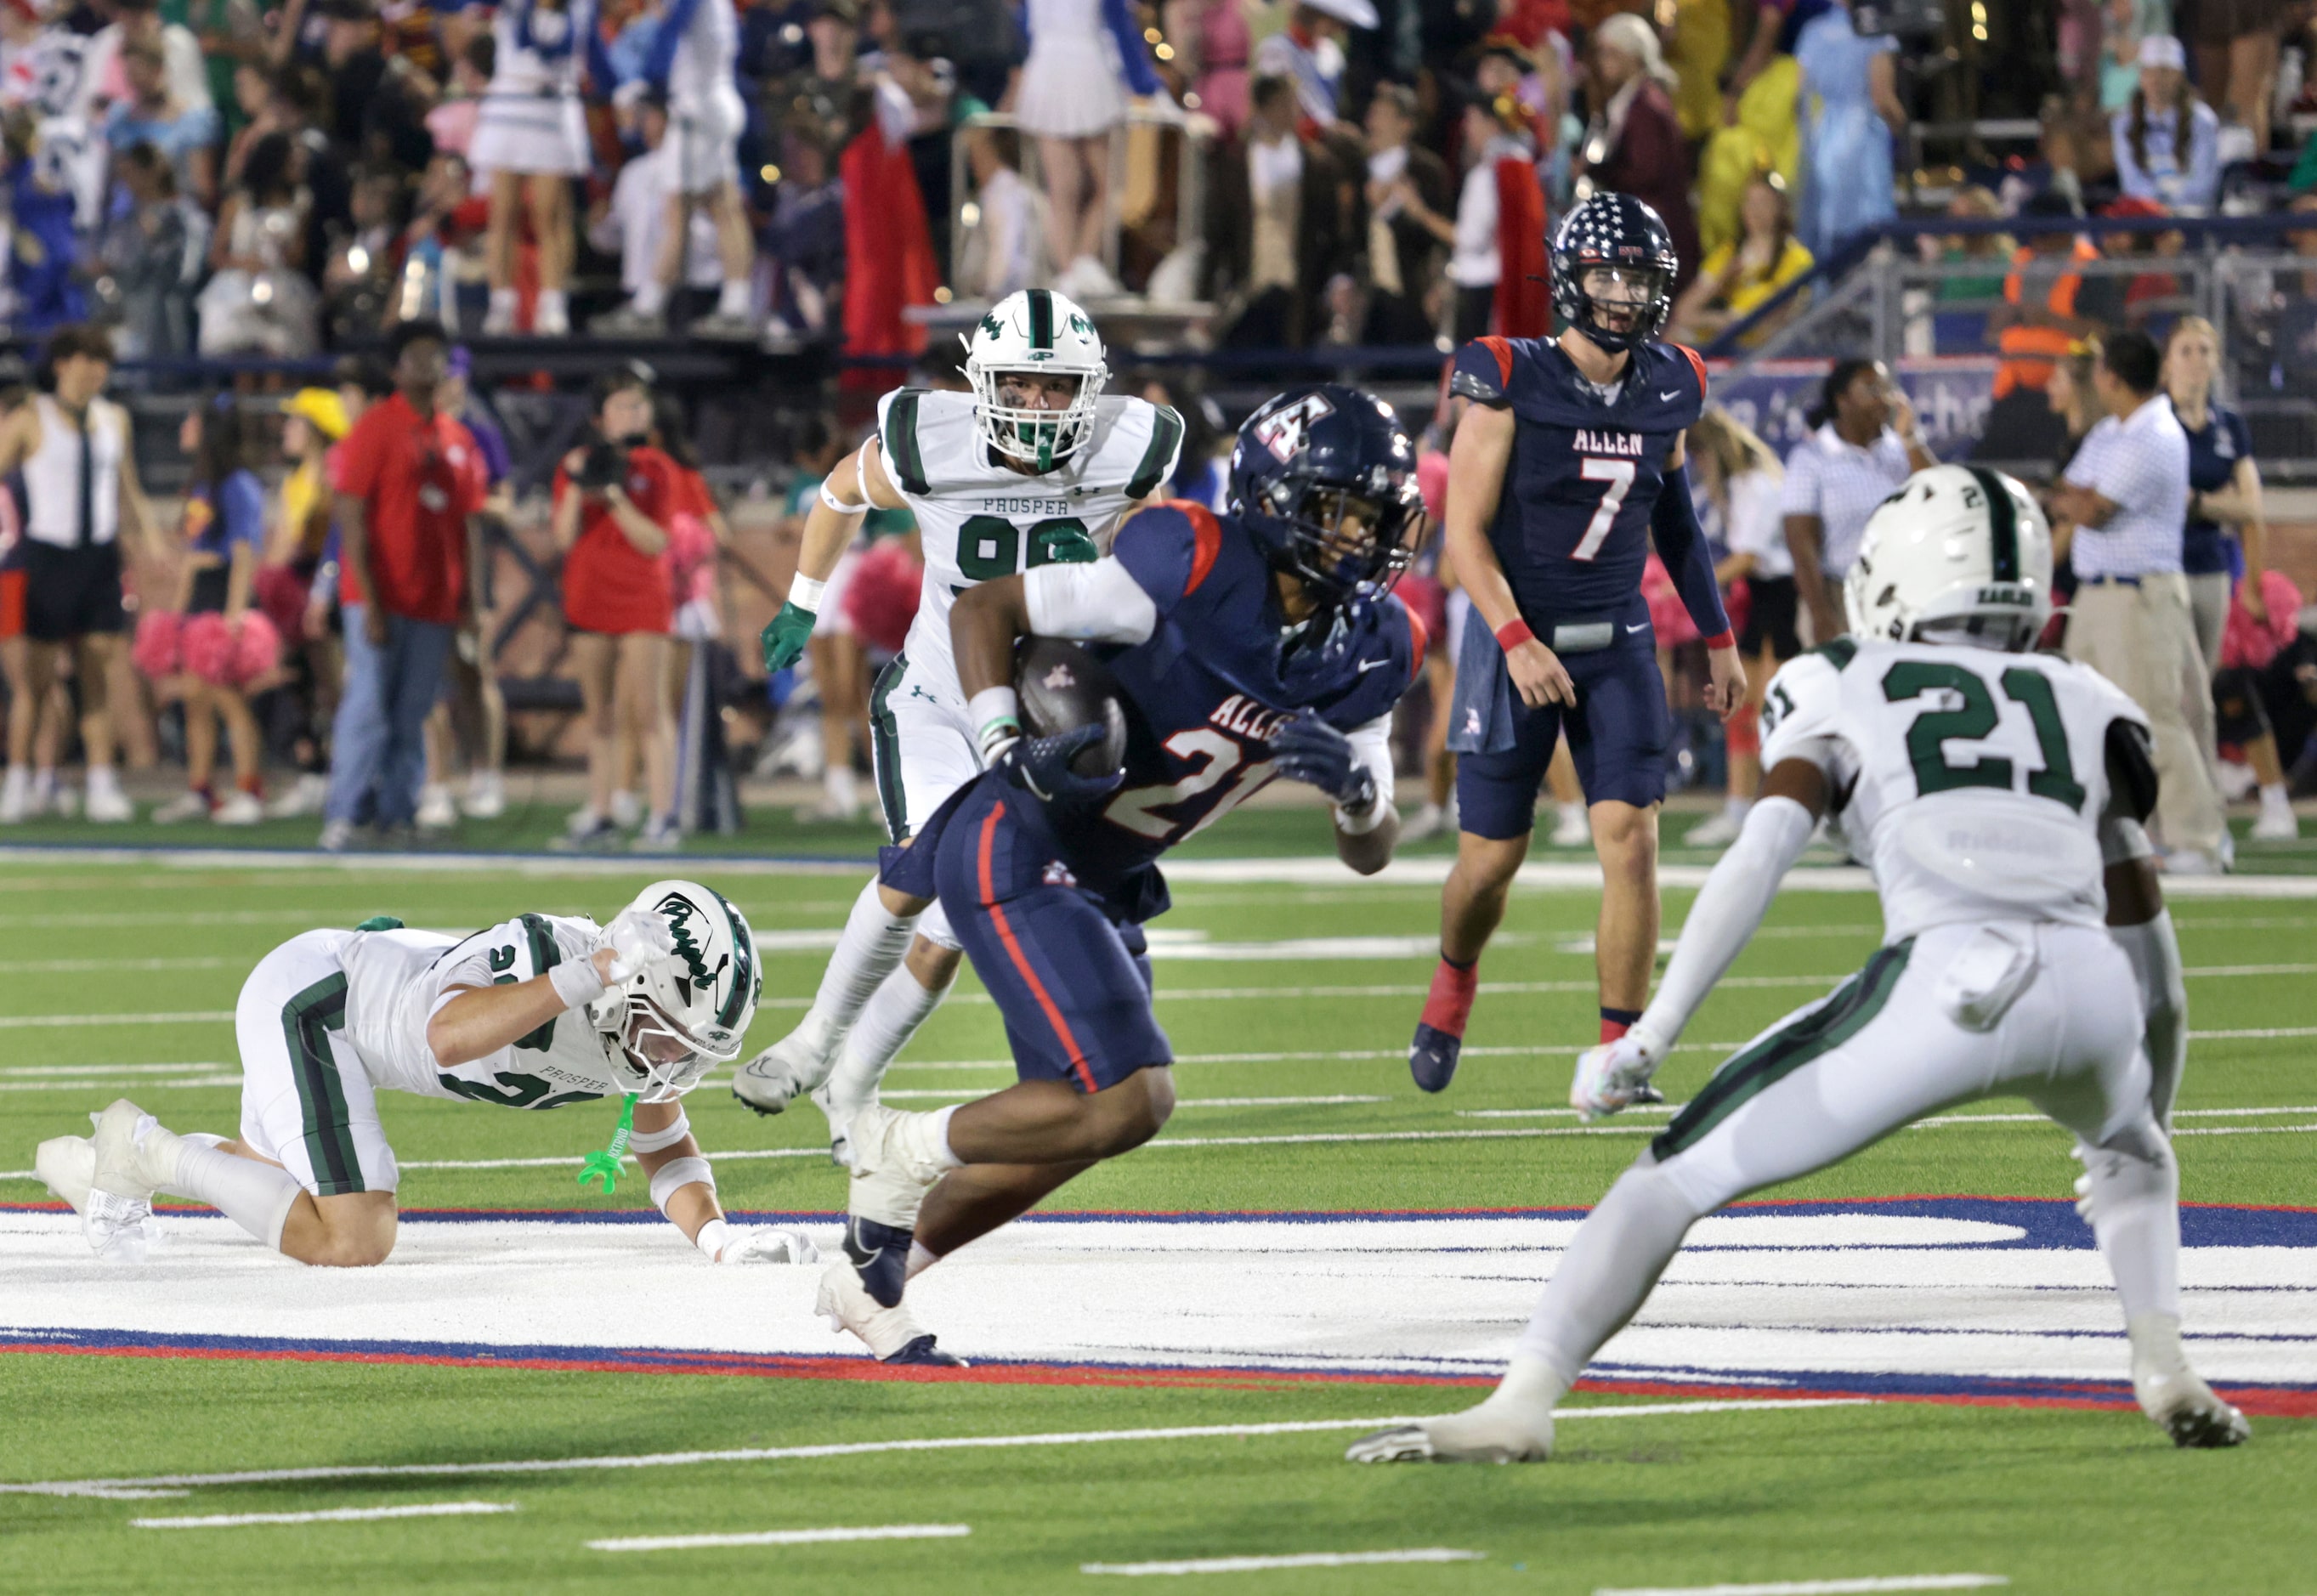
1306 871
1900 1582
781 1537
371 1471
1298 1560
335 1515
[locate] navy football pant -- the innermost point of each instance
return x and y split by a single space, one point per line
1072 983
1618 732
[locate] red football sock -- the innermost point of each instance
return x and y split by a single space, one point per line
1449 1004
1616 1022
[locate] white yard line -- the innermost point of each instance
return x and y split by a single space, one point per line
177 1017
2240 1130
336 1515
781 1537
948 1443
1301 1560
45 1070
1902 1581
84 1085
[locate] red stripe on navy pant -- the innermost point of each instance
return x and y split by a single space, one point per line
1020 959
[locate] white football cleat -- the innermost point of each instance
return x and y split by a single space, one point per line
1493 1433
238 808
787 1070
133 1158
890 1334
1572 827
2173 1395
1718 830
109 806
67 1164
744 1244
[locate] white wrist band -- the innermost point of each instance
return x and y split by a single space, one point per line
712 1238
806 593
839 505
996 715
674 1176
577 982
658 1141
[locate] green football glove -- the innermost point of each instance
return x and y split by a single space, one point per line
784 638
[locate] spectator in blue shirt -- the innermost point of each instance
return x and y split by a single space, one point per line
2168 141
187 135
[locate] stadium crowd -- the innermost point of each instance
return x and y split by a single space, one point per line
218 178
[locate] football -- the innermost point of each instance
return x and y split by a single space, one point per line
1061 686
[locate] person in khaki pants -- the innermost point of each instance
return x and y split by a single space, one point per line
2120 511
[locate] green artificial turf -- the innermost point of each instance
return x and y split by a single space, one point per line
2054 1499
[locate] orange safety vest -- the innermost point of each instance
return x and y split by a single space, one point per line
2029 353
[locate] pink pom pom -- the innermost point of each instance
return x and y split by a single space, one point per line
1669 616
1432 482
256 648
205 647
880 599
156 650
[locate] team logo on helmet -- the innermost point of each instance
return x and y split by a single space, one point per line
679 910
1284 433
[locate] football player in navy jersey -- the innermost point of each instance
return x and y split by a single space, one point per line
1566 461
1245 647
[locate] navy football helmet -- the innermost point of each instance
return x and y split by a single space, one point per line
1312 460
1622 234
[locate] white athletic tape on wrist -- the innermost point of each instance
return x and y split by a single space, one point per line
576 983
807 592
712 1238
660 1141
672 1177
994 712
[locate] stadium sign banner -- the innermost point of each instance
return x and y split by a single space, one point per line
1951 394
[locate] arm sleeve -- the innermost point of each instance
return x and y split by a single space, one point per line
1131 51
673 23
2201 182
1728 906
1681 540
1091 600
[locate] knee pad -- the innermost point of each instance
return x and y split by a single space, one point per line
934 926
2132 1168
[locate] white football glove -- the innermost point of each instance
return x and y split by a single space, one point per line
1614 1076
763 1244
637 939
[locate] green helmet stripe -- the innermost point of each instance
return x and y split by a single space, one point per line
744 962
2003 524
1042 318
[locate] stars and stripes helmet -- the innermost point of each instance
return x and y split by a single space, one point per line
1035 331
1960 553
1622 234
667 1023
1307 458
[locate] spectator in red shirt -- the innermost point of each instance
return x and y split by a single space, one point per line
409 481
616 497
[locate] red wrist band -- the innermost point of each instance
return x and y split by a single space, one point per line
1724 638
1513 633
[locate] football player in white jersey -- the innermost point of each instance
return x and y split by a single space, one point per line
1035 467
1998 796
537 1012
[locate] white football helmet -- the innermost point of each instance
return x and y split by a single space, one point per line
1960 553
1036 330
670 1021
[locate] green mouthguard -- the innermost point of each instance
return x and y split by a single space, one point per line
604 1165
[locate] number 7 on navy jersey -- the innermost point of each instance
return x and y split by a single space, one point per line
1619 477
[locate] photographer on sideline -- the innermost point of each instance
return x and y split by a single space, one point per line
615 497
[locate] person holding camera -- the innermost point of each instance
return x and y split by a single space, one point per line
614 499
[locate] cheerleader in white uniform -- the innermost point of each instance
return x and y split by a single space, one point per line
531 137
1071 94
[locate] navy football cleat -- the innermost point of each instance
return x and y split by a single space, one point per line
923 1353
1432 1057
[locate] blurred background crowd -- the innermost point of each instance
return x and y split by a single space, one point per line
1905 225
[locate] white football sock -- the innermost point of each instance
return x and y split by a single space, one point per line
870 948
887 1022
732 299
841 787
103 779
552 304
504 301
2131 1193
2276 798
44 785
921 1258
257 1197
1612 1264
651 298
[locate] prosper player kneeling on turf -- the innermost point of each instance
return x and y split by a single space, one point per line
1259 645
1033 468
1998 796
538 1013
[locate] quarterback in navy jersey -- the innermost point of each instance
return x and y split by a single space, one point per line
1566 463
1246 647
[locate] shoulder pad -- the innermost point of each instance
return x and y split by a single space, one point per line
1170 549
897 436
1165 432
1484 373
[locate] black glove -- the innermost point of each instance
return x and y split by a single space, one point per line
1042 765
1307 749
606 465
